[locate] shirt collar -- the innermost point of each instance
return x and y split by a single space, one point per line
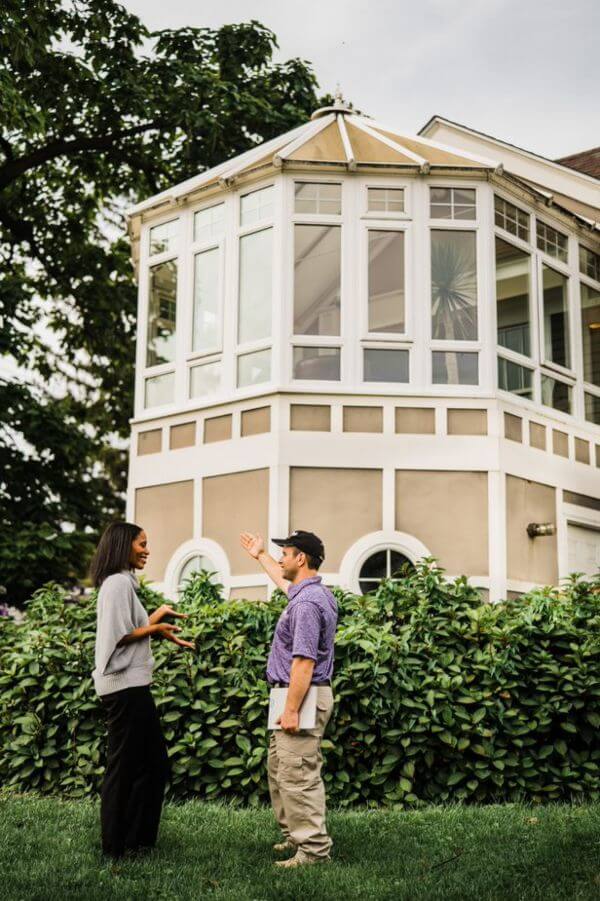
294 589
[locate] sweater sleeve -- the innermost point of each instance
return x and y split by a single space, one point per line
115 620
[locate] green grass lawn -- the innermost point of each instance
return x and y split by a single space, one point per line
49 850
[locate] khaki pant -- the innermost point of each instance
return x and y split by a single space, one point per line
295 784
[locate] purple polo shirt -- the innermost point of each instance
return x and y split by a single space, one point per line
306 628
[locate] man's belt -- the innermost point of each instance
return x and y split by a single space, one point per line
287 684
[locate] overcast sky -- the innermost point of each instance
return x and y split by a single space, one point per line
525 71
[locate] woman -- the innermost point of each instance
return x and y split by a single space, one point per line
137 763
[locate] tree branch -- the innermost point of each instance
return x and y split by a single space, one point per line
15 168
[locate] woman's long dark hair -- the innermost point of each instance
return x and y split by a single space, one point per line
113 551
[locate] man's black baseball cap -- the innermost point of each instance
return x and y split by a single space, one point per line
304 541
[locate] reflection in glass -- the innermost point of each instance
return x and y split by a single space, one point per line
552 242
512 297
205 379
159 390
450 368
511 218
254 368
452 203
590 334
515 378
385 564
162 307
386 281
386 365
317 277
385 200
194 565
592 408
256 206
163 236
206 300
321 363
556 317
589 263
256 286
318 197
556 394
209 224
454 285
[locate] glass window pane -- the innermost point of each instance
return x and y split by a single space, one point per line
590 333
375 567
206 301
589 263
440 195
254 368
592 408
159 390
257 206
515 378
551 241
321 363
452 203
195 565
386 281
209 224
386 365
454 285
512 297
317 277
556 394
317 197
162 308
163 237
511 219
205 379
256 284
556 317
399 564
387 200
450 368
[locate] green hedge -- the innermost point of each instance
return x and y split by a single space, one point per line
440 696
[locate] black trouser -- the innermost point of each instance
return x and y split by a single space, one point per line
137 769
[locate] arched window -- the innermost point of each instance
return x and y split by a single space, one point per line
194 565
191 557
383 564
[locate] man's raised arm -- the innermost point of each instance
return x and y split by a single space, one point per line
255 546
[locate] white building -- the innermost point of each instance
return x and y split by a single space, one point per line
392 341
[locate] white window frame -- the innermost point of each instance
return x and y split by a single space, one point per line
386 216
195 547
452 185
370 544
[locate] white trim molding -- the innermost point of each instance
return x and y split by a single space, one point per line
204 547
369 544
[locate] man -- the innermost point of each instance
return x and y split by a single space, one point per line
301 656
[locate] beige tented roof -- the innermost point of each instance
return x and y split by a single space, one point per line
335 137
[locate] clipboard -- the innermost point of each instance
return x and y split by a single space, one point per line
308 710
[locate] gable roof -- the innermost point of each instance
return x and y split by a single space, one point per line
586 161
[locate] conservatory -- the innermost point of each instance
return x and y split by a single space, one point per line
390 340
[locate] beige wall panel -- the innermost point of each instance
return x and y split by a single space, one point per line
166 513
598 455
467 422
415 420
251 593
149 442
310 418
183 435
363 419
340 505
513 427
448 512
537 435
217 428
235 503
582 451
560 443
530 559
256 422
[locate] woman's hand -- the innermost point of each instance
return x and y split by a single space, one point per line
168 631
162 611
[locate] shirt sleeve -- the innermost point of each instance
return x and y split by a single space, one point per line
306 628
115 620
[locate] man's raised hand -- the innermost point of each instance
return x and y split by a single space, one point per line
253 544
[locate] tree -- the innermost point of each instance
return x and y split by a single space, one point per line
96 113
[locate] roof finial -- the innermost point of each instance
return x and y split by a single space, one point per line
338 97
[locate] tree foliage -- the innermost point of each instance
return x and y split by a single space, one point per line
95 113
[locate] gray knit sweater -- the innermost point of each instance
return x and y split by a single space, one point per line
119 613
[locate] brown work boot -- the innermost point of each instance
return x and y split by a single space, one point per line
282 847
301 859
